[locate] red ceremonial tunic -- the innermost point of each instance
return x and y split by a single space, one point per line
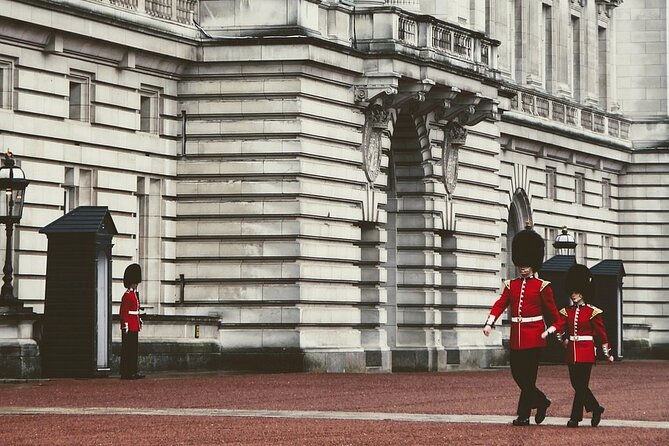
584 326
129 311
528 299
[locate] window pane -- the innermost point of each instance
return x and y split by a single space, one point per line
75 100
145 114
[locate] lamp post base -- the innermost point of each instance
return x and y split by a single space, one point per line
19 351
13 306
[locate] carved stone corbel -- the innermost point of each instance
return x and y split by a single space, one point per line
458 113
377 116
486 109
455 133
455 136
366 95
437 104
375 86
411 95
606 6
54 43
463 105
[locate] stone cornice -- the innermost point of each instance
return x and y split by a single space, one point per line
606 6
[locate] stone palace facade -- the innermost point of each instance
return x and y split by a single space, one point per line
331 185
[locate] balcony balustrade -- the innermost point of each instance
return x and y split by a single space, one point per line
404 32
570 114
410 5
181 11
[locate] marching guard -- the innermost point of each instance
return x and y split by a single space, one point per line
580 325
527 298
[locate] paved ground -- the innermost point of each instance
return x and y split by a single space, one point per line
469 408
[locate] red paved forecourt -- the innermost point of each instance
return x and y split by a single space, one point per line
630 390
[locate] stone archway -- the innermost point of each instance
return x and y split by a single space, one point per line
427 127
520 214
413 250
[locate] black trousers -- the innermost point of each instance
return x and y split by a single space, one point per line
579 375
524 368
129 342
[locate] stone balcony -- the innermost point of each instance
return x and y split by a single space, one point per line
180 11
377 27
572 115
388 29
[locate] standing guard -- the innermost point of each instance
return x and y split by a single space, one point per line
131 324
528 298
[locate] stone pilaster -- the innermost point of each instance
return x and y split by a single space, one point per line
373 277
531 54
373 296
590 48
562 45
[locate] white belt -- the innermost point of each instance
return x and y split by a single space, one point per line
133 312
527 319
580 338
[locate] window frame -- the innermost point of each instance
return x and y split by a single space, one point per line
149 110
551 183
6 83
606 193
579 188
83 108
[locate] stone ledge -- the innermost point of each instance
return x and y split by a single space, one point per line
172 355
20 360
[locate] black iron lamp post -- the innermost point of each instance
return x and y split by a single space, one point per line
13 183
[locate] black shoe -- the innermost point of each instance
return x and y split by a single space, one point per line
596 416
521 422
572 423
541 412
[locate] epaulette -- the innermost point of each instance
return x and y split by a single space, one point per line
507 283
563 312
544 284
595 311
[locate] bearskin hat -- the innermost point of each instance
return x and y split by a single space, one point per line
579 280
527 249
132 274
